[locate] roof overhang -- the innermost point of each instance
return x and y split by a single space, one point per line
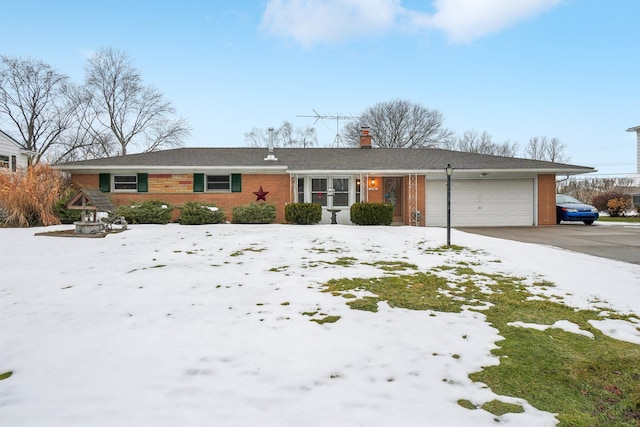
172 169
432 173
634 129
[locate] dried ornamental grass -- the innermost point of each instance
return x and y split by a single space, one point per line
28 196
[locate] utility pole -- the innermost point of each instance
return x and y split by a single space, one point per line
338 139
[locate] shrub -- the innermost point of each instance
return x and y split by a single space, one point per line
371 213
196 213
148 212
601 200
254 213
303 213
67 216
617 207
28 196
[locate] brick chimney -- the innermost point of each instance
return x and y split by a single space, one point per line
365 137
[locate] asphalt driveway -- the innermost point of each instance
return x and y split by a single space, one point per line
619 241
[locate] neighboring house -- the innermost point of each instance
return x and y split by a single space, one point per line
485 190
13 155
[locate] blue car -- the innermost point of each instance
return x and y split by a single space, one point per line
570 209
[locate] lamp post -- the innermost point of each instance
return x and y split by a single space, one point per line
449 172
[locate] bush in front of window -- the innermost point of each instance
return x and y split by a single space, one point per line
196 213
303 213
371 213
254 213
148 212
67 216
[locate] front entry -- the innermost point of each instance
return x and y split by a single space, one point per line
392 187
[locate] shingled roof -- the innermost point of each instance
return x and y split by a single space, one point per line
298 160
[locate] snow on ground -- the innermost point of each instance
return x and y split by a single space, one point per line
204 325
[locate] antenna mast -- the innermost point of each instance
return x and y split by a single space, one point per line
338 139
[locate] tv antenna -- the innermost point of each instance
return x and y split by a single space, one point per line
338 139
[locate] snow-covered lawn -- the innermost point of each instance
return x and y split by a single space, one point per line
210 326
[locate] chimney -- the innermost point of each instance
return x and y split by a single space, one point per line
365 137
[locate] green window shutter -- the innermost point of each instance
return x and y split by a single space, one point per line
198 182
143 182
105 182
236 183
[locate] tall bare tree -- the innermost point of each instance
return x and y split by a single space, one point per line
474 142
284 136
399 124
34 98
544 148
136 115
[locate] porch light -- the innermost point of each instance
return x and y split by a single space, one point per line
373 182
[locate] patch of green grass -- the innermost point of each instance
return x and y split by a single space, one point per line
587 382
393 265
279 269
467 404
345 261
421 291
326 319
619 219
5 375
497 407
249 249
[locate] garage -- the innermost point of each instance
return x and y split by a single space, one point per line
490 202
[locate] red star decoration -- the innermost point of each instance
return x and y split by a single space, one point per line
261 194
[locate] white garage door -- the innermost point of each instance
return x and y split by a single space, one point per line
481 202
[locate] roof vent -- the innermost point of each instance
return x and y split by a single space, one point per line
270 155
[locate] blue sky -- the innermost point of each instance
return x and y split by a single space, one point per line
514 68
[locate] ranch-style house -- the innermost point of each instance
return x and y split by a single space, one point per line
485 190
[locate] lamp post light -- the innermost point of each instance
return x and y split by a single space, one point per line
449 172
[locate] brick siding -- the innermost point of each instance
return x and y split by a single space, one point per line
546 199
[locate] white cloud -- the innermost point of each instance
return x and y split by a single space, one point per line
310 22
465 20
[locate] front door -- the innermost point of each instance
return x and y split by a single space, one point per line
392 187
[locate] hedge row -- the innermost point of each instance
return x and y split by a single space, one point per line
193 213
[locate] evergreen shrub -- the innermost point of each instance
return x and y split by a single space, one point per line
303 213
196 213
254 213
147 212
67 216
371 213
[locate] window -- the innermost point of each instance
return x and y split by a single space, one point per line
4 162
341 186
300 190
358 191
125 182
319 187
319 191
218 183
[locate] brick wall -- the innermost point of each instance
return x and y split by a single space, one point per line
176 189
546 199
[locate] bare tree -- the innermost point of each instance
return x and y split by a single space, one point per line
33 96
84 140
399 124
284 136
544 148
473 142
135 114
